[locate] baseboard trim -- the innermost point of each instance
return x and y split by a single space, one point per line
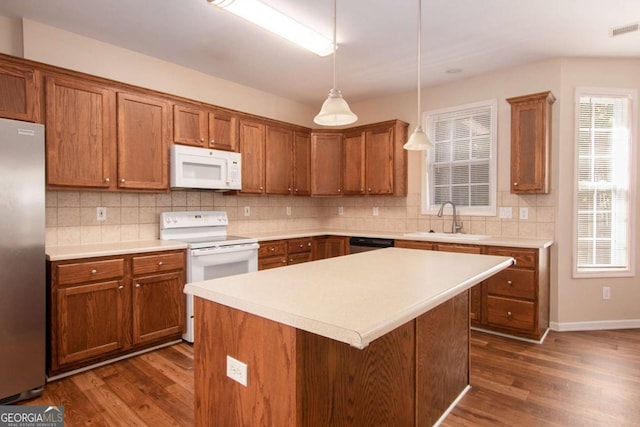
500 334
453 405
595 325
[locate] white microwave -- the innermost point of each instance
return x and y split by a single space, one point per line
193 167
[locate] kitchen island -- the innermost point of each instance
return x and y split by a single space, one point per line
375 338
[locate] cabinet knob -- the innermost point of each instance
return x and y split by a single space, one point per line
121 287
289 189
107 180
339 190
301 245
369 190
284 261
160 264
201 139
94 271
261 187
515 184
509 314
309 244
509 282
137 285
122 180
272 249
296 190
213 141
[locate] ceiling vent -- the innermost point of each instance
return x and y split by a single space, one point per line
624 29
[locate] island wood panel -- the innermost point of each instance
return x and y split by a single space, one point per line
409 376
340 385
442 349
267 347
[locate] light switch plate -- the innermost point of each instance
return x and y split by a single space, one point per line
101 213
506 213
288 210
237 371
247 211
340 210
376 211
524 213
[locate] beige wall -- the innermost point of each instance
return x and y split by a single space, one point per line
10 36
71 215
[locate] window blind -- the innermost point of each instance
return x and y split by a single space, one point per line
603 180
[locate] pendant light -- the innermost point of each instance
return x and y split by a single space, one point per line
335 111
419 141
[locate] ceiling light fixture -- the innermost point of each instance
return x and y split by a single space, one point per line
335 111
278 23
419 141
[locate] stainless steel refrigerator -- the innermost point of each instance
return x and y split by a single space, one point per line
22 260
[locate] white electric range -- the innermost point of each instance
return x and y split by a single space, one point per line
211 253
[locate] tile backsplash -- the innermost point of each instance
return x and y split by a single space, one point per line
71 217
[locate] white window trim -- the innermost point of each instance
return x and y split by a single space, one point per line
427 208
609 272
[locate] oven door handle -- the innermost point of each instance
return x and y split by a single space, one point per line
225 249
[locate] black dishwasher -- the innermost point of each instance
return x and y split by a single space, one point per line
363 244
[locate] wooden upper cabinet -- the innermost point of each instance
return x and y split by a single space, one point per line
353 178
143 142
278 160
301 164
379 160
80 132
204 128
326 164
530 143
252 149
19 98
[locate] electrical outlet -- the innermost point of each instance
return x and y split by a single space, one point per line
524 213
376 211
340 210
237 371
101 213
506 213
247 211
606 292
288 210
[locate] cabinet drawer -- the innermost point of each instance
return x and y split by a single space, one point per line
299 258
273 248
90 271
299 245
513 282
509 313
271 262
157 263
452 247
414 244
525 258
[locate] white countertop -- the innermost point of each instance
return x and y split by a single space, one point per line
62 253
355 298
514 242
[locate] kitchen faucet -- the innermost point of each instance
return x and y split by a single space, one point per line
455 226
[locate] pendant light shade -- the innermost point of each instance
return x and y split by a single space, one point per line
419 141
335 111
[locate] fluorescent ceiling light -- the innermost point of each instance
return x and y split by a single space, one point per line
278 23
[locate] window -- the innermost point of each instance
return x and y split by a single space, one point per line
604 177
462 166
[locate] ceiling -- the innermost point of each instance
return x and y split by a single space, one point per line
377 39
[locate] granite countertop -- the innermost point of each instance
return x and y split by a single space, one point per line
517 242
356 298
62 253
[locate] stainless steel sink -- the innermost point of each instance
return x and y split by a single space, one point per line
451 236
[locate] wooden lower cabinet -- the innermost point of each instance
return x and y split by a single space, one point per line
278 253
330 246
101 308
514 301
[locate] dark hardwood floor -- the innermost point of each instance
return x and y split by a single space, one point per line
573 379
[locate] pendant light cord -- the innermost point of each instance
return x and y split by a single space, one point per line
419 123
335 21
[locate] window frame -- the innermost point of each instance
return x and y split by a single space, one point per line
427 176
605 272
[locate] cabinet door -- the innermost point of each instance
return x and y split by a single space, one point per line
530 140
80 132
90 321
18 93
301 164
353 178
158 307
252 136
189 126
329 247
278 161
223 133
143 144
379 161
326 164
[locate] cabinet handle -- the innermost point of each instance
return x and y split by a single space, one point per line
201 139
509 314
515 184
160 264
339 190
509 282
301 245
261 187
369 190
284 261
309 244
107 180
213 141
122 180
121 287
94 271
296 190
137 285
